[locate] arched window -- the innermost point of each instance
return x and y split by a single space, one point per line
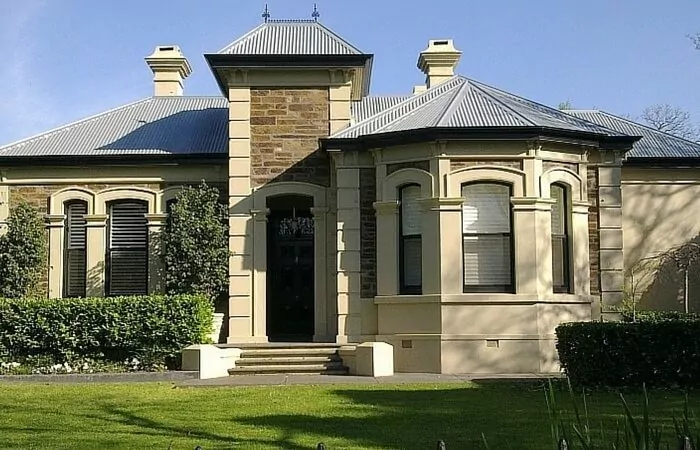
410 241
487 237
561 276
74 246
127 248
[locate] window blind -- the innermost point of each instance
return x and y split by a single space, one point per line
560 240
74 276
128 248
486 228
411 241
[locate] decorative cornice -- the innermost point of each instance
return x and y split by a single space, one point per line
319 213
443 203
96 220
260 214
54 220
156 220
386 208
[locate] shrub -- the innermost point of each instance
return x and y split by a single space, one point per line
612 354
659 316
144 332
22 253
195 244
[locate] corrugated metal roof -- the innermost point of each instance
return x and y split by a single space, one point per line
654 143
463 103
374 104
153 126
290 37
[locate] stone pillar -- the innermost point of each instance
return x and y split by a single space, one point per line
581 248
4 208
241 286
241 328
320 288
339 97
533 245
387 248
156 268
96 249
610 229
449 210
55 225
349 241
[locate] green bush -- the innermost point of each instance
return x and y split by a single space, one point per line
659 316
612 354
144 332
22 253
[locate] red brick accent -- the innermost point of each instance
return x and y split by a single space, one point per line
593 229
285 126
368 232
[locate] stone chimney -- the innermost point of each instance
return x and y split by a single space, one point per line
170 68
438 61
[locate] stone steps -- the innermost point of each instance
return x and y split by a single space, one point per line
279 358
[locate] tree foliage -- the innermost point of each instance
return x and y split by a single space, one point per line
195 244
23 252
696 40
672 120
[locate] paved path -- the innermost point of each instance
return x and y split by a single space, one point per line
282 380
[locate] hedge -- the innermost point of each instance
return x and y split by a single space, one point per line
148 331
613 354
659 316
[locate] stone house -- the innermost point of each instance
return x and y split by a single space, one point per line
459 223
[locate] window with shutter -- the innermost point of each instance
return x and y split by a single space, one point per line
75 265
560 239
487 238
410 244
127 251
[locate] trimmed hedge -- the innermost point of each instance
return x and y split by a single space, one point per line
612 354
660 316
151 330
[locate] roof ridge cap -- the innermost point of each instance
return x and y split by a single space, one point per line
76 123
648 127
402 103
454 104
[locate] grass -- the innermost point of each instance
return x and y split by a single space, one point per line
154 416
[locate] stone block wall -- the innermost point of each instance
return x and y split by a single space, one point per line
285 125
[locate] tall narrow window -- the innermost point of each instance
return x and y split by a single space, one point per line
127 251
560 239
410 244
74 260
487 238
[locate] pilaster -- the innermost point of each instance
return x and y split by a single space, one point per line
387 248
4 208
532 230
448 251
581 248
156 268
96 233
55 224
339 114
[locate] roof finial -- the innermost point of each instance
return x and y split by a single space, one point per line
315 15
266 14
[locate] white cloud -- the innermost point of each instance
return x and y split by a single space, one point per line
25 108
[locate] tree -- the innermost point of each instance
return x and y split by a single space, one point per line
696 40
195 244
23 252
672 120
565 106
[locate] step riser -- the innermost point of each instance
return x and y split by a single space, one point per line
292 359
285 361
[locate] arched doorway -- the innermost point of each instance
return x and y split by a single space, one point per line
290 268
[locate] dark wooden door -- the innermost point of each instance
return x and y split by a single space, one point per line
290 276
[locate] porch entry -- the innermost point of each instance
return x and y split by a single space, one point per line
290 269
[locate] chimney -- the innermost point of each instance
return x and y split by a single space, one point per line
170 68
438 61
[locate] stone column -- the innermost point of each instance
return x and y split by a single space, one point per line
241 327
96 233
55 225
156 267
241 286
610 229
349 241
449 211
532 230
387 249
4 208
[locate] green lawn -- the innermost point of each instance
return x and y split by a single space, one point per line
134 416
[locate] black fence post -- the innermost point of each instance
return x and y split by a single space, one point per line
441 445
321 446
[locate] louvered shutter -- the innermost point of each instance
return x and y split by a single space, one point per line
128 249
75 250
560 244
486 228
411 241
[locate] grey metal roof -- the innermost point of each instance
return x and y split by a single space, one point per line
654 143
290 37
374 104
463 103
153 126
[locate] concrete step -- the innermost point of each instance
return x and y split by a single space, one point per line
325 369
284 361
287 352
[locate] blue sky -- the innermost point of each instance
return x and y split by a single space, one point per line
63 60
